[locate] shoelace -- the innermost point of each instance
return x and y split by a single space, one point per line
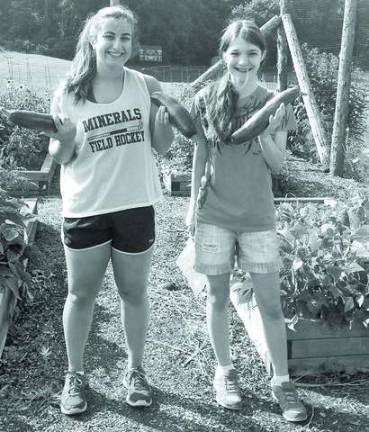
75 384
290 396
138 380
231 384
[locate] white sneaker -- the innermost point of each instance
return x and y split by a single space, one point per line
228 392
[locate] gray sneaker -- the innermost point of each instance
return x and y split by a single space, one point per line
73 398
139 392
292 408
227 389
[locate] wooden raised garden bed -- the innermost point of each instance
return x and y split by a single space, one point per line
7 299
177 184
313 347
41 179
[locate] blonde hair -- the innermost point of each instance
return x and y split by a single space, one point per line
222 96
83 68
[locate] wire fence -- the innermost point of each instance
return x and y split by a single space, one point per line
41 73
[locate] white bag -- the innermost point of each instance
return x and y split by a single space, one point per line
185 262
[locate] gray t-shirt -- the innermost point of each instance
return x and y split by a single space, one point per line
240 194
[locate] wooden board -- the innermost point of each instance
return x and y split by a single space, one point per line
42 178
7 300
178 184
314 347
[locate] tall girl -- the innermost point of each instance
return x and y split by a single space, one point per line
106 130
237 220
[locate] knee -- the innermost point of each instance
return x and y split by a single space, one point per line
135 296
81 299
272 312
218 300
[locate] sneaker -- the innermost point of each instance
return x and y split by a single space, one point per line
292 408
73 398
228 392
139 391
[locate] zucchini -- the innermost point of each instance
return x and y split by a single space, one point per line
179 117
260 119
32 120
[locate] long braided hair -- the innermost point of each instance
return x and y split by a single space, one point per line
222 95
83 69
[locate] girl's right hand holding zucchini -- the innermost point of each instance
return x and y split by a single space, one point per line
65 130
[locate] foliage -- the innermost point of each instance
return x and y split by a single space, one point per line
188 31
322 70
21 148
317 23
179 156
13 244
325 255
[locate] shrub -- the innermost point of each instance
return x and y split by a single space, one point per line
322 69
21 148
179 156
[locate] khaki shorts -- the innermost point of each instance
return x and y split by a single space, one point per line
217 249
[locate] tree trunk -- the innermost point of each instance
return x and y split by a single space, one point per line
282 48
114 2
343 89
308 97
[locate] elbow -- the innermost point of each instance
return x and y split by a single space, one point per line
277 167
162 144
162 147
58 154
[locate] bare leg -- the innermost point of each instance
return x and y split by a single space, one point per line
86 269
217 317
267 293
131 272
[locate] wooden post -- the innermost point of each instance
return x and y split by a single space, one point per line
343 89
282 49
306 90
217 68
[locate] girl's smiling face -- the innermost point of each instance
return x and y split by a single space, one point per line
112 43
243 60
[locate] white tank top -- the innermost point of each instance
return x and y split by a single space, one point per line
115 167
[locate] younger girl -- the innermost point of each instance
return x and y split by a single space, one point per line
237 218
106 129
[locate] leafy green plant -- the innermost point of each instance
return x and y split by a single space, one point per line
323 71
14 216
21 148
179 156
325 255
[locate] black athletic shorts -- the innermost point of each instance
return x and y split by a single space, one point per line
130 231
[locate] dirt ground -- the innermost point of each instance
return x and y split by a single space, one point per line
179 361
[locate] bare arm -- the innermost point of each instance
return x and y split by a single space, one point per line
200 156
161 131
62 145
